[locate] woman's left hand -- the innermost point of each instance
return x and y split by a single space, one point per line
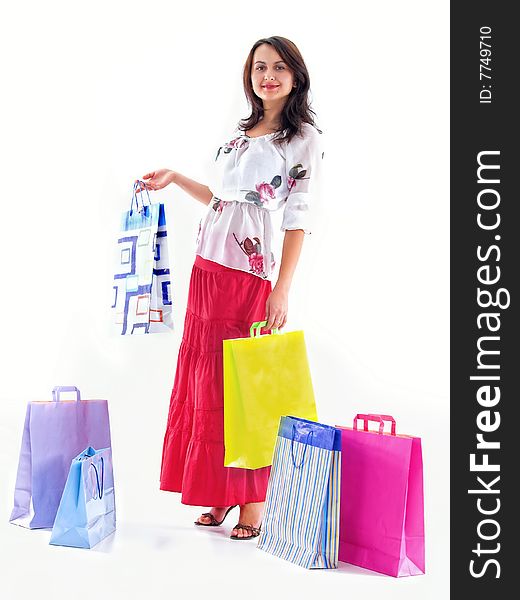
276 308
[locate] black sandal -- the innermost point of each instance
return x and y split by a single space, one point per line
255 532
214 522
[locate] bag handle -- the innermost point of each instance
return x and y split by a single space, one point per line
256 327
64 388
138 184
381 419
309 438
100 486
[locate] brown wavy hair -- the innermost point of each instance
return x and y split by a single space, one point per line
296 110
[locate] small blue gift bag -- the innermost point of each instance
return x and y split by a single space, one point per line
87 512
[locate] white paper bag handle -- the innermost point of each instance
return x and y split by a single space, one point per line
65 388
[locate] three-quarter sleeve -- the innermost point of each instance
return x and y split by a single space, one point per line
304 155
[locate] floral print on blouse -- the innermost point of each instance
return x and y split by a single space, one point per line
251 178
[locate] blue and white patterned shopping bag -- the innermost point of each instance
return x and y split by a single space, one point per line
301 514
142 300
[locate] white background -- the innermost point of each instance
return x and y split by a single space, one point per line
95 95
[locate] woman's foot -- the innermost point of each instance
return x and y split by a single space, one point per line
219 513
251 515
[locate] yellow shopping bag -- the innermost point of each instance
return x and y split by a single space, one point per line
265 377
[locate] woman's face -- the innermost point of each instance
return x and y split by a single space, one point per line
270 76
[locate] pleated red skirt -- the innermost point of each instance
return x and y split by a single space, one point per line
222 304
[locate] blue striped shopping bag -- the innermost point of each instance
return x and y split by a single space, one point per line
301 514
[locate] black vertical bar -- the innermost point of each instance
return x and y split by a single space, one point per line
484 121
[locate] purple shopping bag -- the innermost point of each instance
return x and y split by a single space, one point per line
382 508
54 433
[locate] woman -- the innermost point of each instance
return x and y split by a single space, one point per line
271 162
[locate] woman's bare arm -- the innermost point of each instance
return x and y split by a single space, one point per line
277 303
196 190
157 180
292 246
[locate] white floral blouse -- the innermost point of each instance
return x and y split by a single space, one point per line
251 178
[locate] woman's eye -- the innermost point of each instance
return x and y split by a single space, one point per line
260 67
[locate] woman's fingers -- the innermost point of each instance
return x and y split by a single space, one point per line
279 323
276 320
270 316
148 186
275 314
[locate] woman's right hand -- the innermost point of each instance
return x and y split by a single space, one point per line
156 180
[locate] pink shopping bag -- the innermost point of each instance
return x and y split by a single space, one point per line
382 508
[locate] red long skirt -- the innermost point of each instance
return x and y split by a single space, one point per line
222 304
